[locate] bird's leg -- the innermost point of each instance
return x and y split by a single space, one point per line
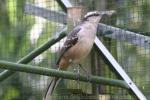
83 69
86 72
77 71
78 75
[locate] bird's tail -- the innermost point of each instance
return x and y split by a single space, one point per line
53 84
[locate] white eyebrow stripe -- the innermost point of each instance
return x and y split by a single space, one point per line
72 38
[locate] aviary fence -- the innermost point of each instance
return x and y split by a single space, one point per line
32 32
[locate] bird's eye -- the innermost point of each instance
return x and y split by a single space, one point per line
96 14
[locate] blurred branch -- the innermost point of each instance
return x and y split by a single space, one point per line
4 18
35 53
104 30
62 74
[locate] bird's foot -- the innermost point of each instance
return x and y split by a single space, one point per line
85 71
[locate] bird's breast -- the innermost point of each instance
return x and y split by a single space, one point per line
81 49
84 45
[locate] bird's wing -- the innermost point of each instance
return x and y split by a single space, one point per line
71 40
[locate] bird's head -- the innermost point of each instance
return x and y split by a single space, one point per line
93 17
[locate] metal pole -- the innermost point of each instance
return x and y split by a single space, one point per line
63 74
35 53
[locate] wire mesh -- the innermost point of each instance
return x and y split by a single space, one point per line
21 33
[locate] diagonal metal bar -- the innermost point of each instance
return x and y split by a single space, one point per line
66 3
115 65
124 35
35 53
31 9
105 30
61 74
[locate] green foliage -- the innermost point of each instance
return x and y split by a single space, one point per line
12 10
10 93
15 43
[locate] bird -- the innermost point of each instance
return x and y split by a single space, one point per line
76 47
